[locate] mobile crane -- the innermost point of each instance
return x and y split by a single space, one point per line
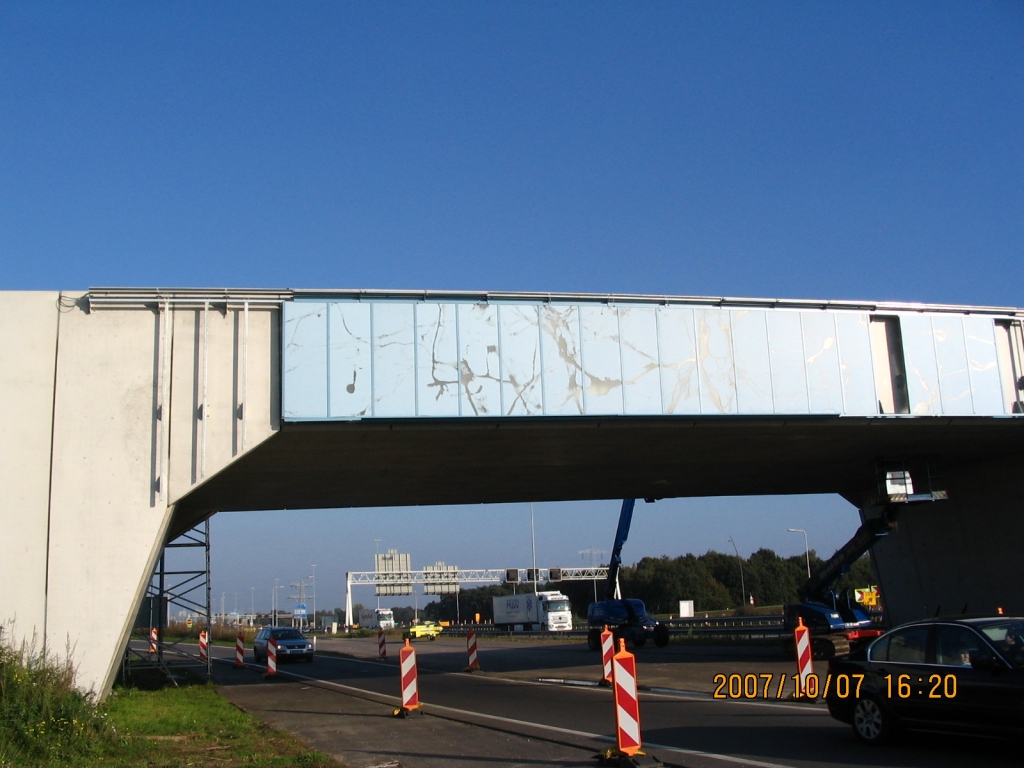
628 618
837 624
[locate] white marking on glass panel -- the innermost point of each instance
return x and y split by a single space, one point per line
981 355
437 360
602 368
824 384
922 372
951 357
520 360
715 361
641 380
563 378
679 376
753 371
478 360
394 365
786 351
350 359
305 360
858 379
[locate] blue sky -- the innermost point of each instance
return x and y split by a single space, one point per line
798 150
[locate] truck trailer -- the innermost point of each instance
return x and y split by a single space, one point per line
376 618
543 611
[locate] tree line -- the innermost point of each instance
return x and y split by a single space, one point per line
712 580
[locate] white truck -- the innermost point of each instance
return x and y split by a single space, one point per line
545 611
376 618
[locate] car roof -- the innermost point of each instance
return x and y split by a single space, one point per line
970 620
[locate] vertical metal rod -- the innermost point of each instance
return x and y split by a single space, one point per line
245 371
161 620
206 361
209 624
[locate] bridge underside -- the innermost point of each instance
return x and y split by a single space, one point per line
459 461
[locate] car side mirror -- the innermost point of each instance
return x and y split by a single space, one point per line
983 661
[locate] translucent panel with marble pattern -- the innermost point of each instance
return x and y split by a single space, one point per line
394 369
753 371
641 372
602 368
786 352
858 378
922 372
984 368
521 383
350 380
437 383
715 361
680 379
560 352
951 357
305 360
821 353
479 363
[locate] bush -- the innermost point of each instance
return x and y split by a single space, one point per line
43 717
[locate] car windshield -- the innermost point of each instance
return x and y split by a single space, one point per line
1009 639
287 634
558 605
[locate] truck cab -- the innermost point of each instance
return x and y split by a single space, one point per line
556 612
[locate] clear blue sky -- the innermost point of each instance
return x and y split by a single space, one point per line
799 150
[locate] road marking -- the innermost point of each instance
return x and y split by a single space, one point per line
540 726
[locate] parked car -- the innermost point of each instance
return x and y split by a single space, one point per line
291 644
964 675
426 629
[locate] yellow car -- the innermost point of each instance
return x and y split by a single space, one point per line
426 629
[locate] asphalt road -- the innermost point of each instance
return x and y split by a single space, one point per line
506 715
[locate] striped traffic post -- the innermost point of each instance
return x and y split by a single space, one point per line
804 655
410 686
474 664
153 639
271 658
382 646
204 648
607 652
627 705
240 651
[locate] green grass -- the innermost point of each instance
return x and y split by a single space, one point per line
45 722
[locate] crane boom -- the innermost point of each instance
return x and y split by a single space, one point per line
621 534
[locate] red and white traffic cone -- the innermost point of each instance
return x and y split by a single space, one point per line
804 655
153 639
204 647
382 646
607 652
240 652
474 664
271 658
410 683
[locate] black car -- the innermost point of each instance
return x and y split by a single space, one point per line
627 619
291 644
964 674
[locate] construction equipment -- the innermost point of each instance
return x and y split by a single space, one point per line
836 622
628 619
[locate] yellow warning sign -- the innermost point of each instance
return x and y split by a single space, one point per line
866 596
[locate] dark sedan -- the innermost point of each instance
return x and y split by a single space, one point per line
964 675
291 644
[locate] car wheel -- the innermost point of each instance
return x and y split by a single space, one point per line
871 723
594 639
661 635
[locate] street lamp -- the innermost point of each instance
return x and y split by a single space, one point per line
273 595
313 578
743 586
807 552
376 545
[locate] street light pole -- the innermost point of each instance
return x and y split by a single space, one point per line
376 588
313 577
807 552
743 586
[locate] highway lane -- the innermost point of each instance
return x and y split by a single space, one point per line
691 730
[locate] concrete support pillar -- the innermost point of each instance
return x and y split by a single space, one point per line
966 553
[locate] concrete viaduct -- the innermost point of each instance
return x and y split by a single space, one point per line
133 414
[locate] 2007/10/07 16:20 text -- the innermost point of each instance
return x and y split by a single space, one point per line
762 686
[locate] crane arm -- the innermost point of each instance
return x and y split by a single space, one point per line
621 534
